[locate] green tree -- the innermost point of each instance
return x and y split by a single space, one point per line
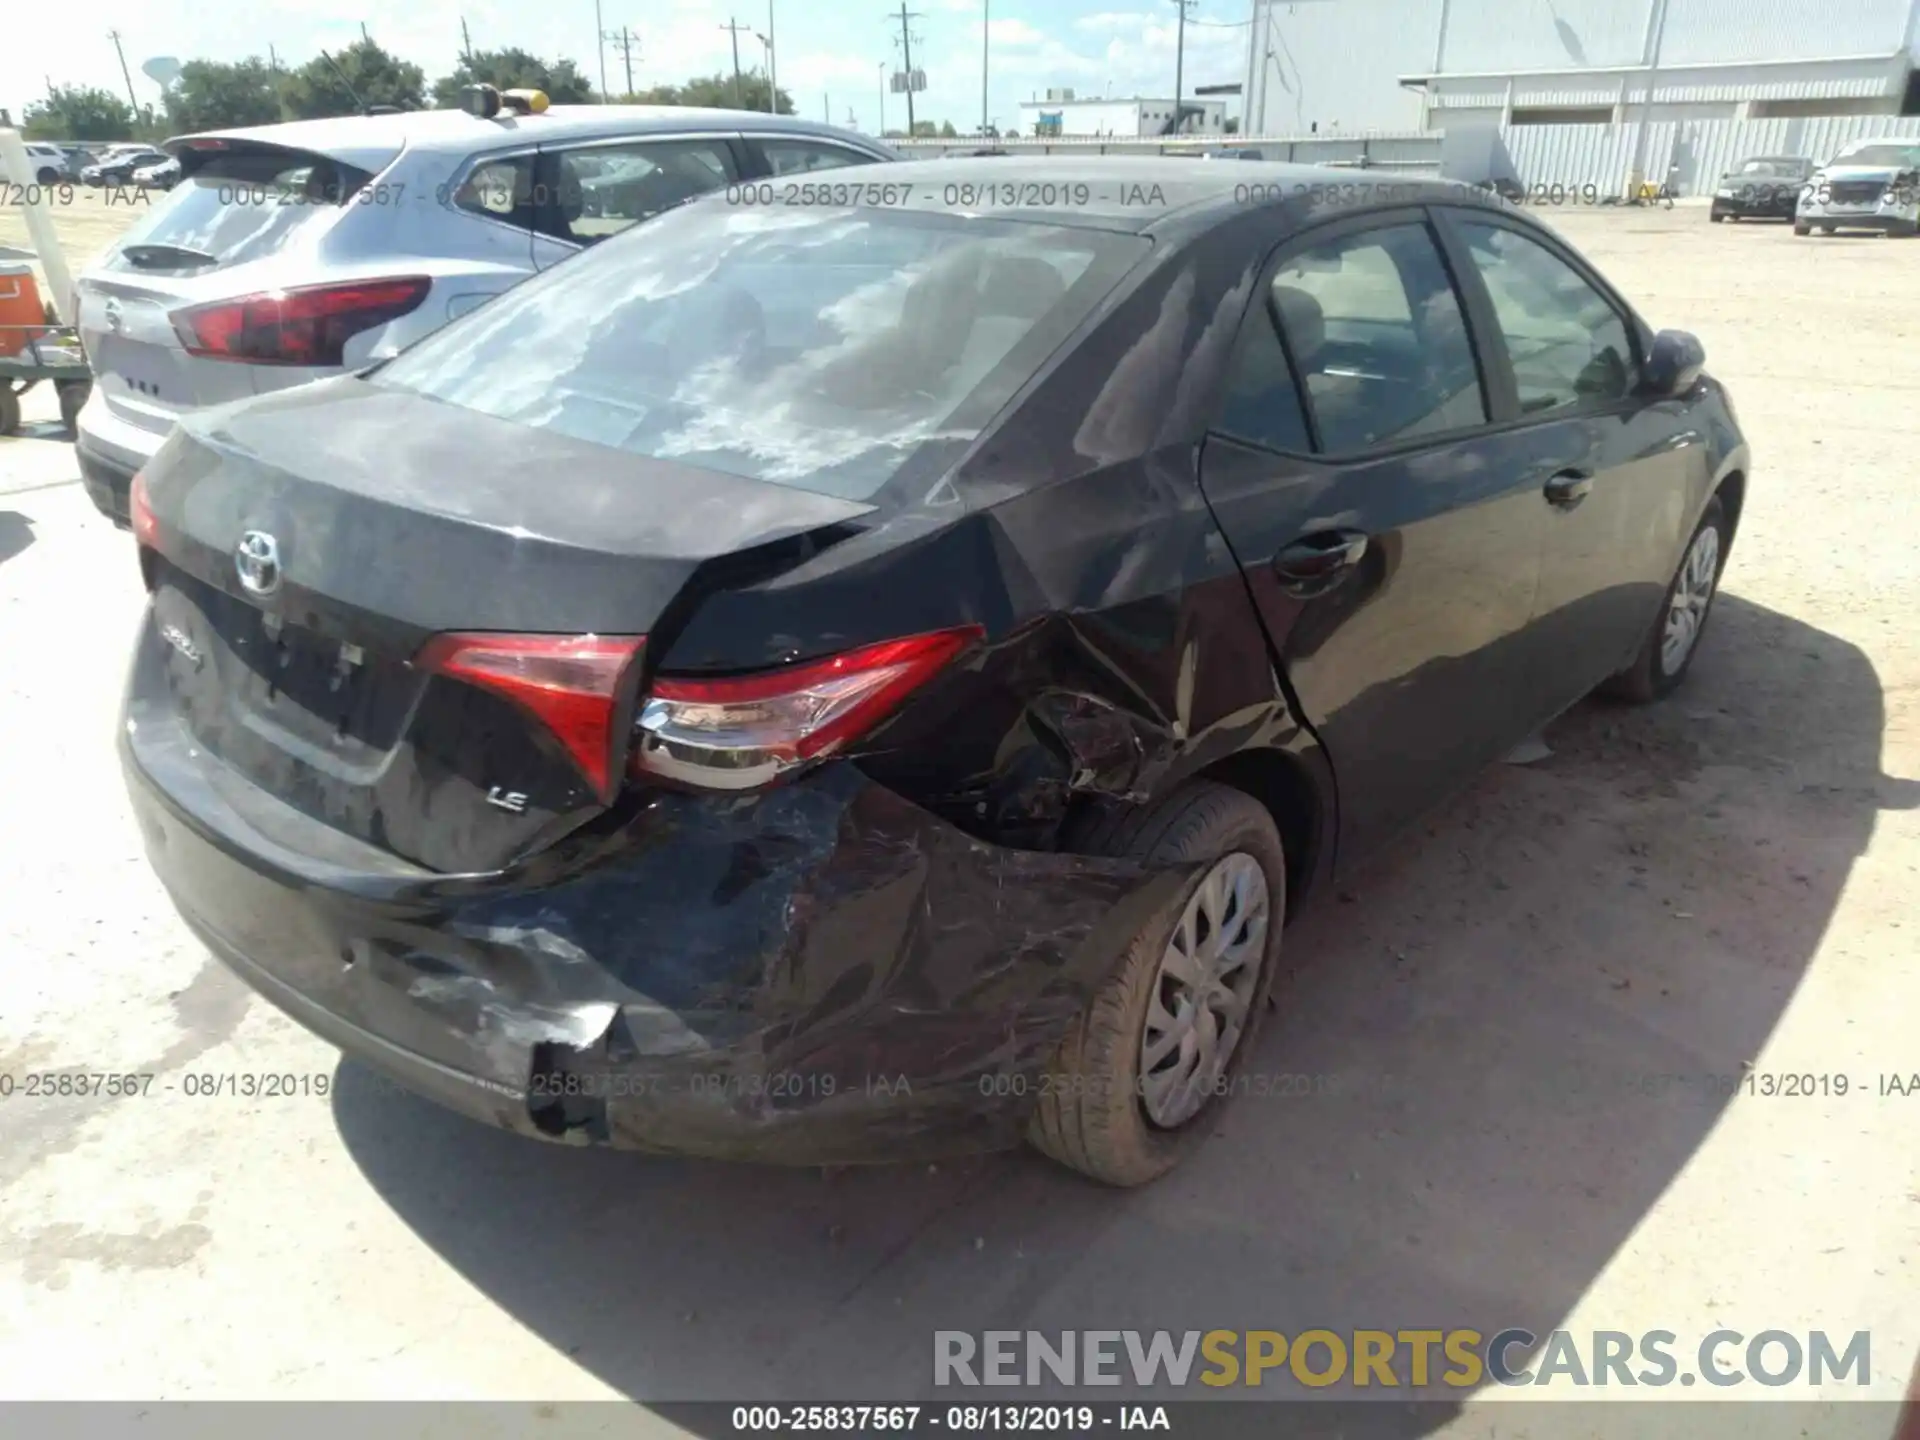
947 132
715 92
512 69
363 74
926 130
214 95
76 112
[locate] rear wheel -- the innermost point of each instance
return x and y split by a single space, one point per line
1139 1077
9 409
1800 229
1674 636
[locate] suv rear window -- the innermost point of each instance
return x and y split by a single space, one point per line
237 208
813 348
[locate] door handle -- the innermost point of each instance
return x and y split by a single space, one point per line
1568 488
1315 563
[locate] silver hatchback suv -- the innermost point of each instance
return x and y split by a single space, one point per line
288 253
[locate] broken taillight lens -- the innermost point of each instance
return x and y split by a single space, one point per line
744 731
309 325
571 684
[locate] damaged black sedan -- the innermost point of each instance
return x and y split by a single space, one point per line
863 680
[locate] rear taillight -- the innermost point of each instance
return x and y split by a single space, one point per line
146 529
306 326
745 731
571 684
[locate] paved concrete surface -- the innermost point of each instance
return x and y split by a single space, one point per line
1722 882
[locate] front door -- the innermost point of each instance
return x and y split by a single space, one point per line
1392 543
1615 472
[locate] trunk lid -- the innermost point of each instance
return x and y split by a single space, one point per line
391 519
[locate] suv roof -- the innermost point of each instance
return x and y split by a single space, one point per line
370 142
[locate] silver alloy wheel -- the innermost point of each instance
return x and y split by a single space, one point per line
1203 991
1692 593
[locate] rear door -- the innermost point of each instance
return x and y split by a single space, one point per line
1392 543
232 218
799 155
587 192
1615 469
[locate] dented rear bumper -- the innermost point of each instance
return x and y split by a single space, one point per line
826 973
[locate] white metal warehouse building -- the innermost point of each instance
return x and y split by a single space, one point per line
1576 90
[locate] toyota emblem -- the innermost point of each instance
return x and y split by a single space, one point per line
257 560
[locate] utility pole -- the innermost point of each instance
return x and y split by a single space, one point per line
363 33
125 74
466 41
273 59
906 47
1179 58
883 101
766 44
986 8
772 68
733 28
624 40
600 48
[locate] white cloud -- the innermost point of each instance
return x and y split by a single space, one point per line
1013 32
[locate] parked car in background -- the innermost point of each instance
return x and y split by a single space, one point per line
48 163
1869 185
163 176
1762 187
837 683
286 253
117 168
78 158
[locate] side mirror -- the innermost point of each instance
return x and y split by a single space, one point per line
1674 364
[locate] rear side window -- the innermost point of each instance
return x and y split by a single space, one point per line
1381 340
803 346
601 191
799 157
238 208
499 190
1263 403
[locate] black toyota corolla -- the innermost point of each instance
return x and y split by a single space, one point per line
867 672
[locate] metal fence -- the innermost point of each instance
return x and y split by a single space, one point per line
1399 150
1703 150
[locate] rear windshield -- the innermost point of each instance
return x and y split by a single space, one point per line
813 348
237 208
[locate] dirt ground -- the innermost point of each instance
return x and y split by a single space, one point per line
1530 1012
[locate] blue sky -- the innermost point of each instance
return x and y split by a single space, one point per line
829 51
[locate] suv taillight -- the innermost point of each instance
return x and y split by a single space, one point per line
741 732
309 325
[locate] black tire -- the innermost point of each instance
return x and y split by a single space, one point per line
73 396
1800 229
1647 679
48 176
1715 216
1090 1117
9 409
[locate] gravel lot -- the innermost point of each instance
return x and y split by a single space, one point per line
1724 881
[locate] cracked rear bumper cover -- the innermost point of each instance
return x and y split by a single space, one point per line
824 974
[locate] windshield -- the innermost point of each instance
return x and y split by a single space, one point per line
1884 154
238 208
818 349
1769 169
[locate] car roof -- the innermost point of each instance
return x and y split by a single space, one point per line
371 142
1138 193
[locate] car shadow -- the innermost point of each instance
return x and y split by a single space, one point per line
1464 1120
16 534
